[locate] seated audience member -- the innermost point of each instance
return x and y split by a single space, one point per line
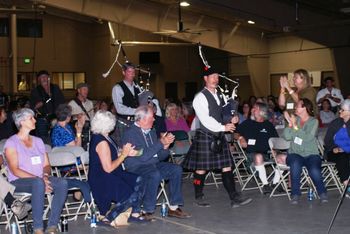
108 181
62 133
245 112
301 132
326 114
6 125
330 93
337 142
254 134
29 169
150 164
274 114
173 121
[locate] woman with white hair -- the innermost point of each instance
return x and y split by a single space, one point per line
108 181
337 142
29 170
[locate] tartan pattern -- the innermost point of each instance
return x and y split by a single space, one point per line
200 157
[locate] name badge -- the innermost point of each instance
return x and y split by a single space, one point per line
298 141
36 160
251 142
290 106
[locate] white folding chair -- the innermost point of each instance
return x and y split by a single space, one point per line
162 194
329 171
279 144
253 173
60 157
239 161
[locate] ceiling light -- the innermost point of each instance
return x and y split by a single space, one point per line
184 4
251 22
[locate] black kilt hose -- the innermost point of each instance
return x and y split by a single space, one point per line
200 157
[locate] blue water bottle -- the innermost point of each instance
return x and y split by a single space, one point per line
14 229
93 220
310 194
163 210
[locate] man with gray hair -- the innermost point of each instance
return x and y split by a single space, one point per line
151 165
254 134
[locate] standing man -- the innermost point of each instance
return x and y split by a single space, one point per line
332 94
151 165
125 99
44 100
254 134
83 108
209 149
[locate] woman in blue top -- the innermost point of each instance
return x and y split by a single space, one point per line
337 142
62 133
108 180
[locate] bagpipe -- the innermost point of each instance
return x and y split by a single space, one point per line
231 105
145 96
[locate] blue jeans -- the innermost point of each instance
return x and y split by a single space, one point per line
133 201
313 165
36 187
83 186
152 175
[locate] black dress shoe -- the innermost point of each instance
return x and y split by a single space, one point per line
201 202
240 201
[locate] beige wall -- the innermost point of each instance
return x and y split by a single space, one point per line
285 55
72 46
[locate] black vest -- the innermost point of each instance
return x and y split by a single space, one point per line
215 110
129 100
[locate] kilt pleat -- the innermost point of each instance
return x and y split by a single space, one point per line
200 157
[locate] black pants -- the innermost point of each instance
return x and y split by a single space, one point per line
341 163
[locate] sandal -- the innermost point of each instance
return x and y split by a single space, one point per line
102 219
139 219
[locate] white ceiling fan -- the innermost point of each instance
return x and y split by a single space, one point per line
180 27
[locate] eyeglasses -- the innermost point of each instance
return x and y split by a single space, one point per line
342 110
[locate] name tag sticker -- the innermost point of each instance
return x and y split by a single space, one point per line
290 106
298 141
251 142
36 160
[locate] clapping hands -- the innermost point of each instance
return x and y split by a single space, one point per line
167 139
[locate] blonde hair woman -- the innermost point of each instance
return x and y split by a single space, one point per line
174 121
289 97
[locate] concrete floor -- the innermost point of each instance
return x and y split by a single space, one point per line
263 215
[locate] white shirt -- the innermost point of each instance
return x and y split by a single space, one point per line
334 92
88 105
327 117
117 96
200 105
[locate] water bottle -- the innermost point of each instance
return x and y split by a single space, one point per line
310 194
64 224
14 229
163 209
93 221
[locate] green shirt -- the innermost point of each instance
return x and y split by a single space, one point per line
303 141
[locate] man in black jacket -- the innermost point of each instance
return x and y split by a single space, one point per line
44 100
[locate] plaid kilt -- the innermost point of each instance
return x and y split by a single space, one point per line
200 157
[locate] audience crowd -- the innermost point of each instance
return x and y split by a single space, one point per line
129 142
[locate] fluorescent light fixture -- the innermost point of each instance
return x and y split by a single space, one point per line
184 4
251 22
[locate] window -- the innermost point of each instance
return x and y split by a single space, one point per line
25 81
68 80
25 27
